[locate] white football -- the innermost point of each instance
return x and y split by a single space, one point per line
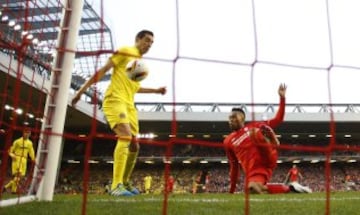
137 70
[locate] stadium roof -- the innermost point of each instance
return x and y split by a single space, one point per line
41 20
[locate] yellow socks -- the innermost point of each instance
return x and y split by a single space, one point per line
121 154
13 184
130 164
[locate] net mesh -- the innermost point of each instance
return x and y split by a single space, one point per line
28 37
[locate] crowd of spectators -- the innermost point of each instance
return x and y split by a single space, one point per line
71 177
77 150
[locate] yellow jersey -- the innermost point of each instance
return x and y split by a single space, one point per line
147 180
121 87
23 148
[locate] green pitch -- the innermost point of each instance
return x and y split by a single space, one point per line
198 204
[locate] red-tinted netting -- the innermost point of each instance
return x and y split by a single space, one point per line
30 55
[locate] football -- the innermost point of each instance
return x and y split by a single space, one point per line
137 70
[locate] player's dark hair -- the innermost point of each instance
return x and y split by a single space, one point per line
143 33
26 130
240 110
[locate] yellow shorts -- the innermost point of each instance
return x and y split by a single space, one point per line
118 112
18 166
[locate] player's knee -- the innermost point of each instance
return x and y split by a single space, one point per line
255 187
251 186
134 145
122 129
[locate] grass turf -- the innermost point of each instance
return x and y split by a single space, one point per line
198 204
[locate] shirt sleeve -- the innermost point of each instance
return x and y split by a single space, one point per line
279 117
234 168
12 148
120 56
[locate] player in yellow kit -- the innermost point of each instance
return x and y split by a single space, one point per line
21 149
120 111
147 183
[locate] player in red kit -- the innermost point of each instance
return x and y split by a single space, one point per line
293 175
292 178
170 184
254 147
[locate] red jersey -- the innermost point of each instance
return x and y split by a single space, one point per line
293 174
170 184
241 149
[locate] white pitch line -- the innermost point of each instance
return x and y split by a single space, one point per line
221 200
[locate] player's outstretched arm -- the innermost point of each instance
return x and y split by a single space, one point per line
282 90
279 117
95 78
234 166
160 90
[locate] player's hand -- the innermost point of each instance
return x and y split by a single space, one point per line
13 156
75 99
161 90
282 90
269 135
